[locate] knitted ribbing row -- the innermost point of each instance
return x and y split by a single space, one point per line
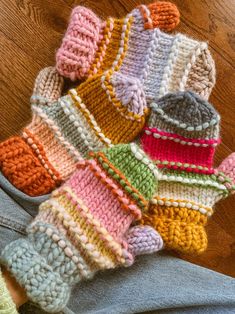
161 62
86 226
7 305
181 136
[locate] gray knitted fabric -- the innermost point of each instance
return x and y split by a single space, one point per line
185 113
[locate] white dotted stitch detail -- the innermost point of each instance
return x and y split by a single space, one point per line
177 140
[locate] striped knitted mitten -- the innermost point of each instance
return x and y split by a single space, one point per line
91 45
135 47
86 226
181 136
102 111
30 161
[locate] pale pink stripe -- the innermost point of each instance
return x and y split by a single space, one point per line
102 203
56 153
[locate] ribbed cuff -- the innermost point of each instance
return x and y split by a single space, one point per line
7 305
43 285
24 169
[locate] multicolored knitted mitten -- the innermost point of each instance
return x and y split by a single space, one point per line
32 161
104 110
181 136
135 46
91 45
7 305
86 226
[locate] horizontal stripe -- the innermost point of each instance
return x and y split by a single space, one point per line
157 200
40 153
89 117
192 181
122 180
71 254
58 134
169 153
127 204
99 234
58 156
79 235
102 47
156 133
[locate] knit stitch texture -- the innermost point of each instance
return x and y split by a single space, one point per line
181 136
86 226
162 62
110 107
182 132
90 42
105 110
30 162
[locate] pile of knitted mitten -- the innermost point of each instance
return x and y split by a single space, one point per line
127 155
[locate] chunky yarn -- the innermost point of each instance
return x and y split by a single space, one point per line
47 87
90 44
226 172
86 226
107 109
162 62
182 132
31 161
181 136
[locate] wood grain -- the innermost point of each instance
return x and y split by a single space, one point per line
30 33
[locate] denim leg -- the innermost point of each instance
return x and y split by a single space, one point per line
157 283
16 212
13 219
28 203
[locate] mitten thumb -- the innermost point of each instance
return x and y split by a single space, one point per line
143 240
80 44
164 15
47 87
130 92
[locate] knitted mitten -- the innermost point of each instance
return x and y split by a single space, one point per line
90 44
181 136
104 110
7 305
135 46
86 226
30 161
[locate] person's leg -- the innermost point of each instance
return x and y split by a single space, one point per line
28 203
157 284
13 219
16 212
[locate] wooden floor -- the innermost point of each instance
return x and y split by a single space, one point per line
30 33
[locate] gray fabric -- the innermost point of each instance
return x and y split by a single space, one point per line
185 114
68 129
158 283
28 203
187 108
